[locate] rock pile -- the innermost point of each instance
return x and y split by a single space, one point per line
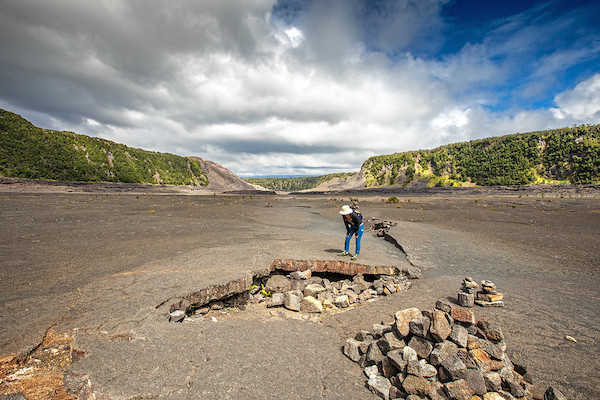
488 296
381 227
301 291
440 354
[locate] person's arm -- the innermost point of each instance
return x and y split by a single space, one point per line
346 224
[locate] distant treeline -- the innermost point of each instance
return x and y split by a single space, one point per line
294 184
27 151
568 155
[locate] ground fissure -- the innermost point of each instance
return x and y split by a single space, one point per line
310 286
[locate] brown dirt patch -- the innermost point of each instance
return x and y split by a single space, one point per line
40 374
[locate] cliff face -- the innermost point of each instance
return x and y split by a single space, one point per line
568 155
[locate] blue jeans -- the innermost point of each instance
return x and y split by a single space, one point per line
359 232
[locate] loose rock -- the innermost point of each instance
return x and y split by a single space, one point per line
342 301
419 326
416 385
554 394
177 316
445 307
463 315
352 349
277 299
459 390
466 299
313 290
459 335
489 303
422 346
403 318
380 386
311 305
278 284
440 327
292 300
463 366
301 275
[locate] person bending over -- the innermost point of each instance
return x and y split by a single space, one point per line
354 226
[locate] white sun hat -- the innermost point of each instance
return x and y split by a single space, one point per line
346 210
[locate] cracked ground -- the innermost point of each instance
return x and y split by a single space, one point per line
102 268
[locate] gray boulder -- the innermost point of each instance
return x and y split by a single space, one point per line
475 379
459 335
493 381
278 284
452 368
422 346
419 326
380 386
374 355
292 300
277 299
311 305
352 349
442 351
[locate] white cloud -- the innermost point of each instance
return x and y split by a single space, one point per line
582 103
227 81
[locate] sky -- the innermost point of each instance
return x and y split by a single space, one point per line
290 87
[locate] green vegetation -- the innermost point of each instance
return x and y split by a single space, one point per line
568 155
294 184
27 151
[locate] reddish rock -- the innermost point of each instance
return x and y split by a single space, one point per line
463 315
340 267
480 355
485 362
493 396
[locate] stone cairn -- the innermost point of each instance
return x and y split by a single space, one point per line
488 296
301 291
439 354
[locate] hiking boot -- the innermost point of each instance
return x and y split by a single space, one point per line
343 254
354 257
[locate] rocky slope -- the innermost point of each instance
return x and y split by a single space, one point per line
220 178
